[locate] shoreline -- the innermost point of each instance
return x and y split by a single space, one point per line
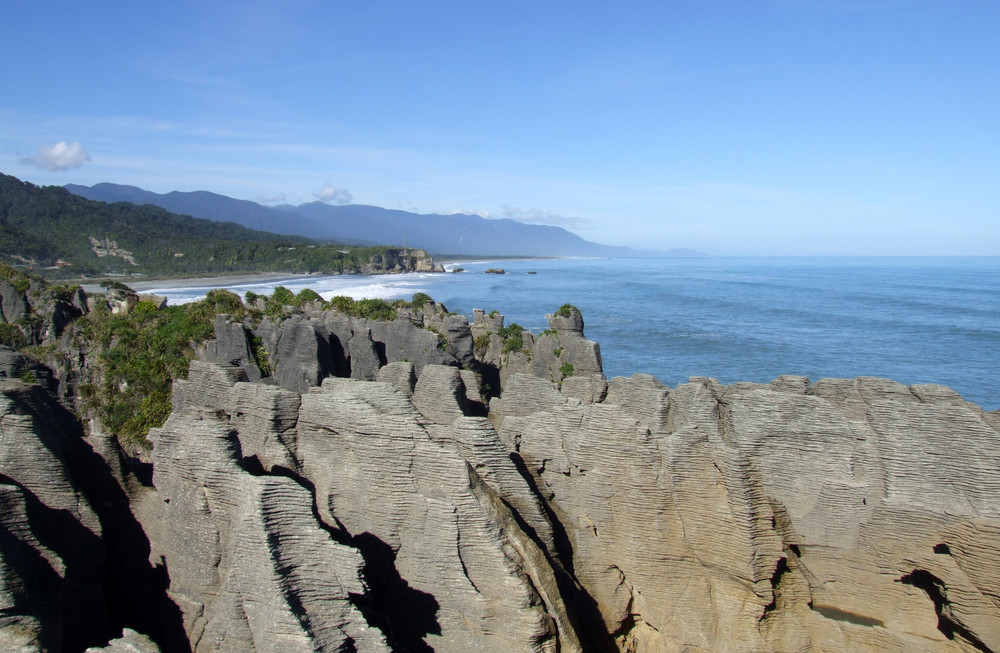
224 280
216 282
220 281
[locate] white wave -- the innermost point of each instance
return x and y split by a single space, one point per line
355 286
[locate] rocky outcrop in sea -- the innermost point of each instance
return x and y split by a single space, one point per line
424 484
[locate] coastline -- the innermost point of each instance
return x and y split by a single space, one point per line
225 280
214 282
221 281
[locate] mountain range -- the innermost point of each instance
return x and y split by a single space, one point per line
48 228
454 234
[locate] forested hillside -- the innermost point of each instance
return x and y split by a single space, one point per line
59 234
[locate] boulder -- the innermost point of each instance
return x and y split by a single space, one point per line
568 318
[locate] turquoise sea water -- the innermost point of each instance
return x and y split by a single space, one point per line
915 320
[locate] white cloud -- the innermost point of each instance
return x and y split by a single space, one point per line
539 216
61 156
480 213
330 193
274 199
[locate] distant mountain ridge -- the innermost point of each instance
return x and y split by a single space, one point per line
455 234
48 228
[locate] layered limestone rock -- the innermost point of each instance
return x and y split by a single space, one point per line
41 313
327 482
53 558
74 566
834 516
558 353
395 260
250 566
421 497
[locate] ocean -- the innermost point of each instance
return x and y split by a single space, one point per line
914 320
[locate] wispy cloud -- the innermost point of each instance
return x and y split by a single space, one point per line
273 199
539 216
330 193
61 156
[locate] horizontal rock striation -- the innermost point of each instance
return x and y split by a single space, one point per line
74 562
330 482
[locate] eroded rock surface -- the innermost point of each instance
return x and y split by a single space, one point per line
374 489
844 515
74 565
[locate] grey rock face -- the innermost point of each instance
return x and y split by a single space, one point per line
571 513
456 331
423 507
73 561
129 642
41 314
483 322
556 354
400 376
14 365
12 303
365 360
400 341
463 562
232 347
570 320
440 394
62 555
251 568
303 357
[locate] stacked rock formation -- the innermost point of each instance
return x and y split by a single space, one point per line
372 494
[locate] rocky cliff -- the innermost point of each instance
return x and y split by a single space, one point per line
332 482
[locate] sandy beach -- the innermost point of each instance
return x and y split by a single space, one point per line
146 285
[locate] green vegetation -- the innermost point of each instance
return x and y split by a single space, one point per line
512 337
308 296
261 356
420 300
549 332
566 310
140 355
372 309
18 278
274 306
12 336
566 369
481 344
342 304
442 338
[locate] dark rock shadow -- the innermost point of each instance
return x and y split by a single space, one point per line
581 607
406 615
937 591
341 360
134 591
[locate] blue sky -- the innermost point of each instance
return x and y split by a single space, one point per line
785 127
